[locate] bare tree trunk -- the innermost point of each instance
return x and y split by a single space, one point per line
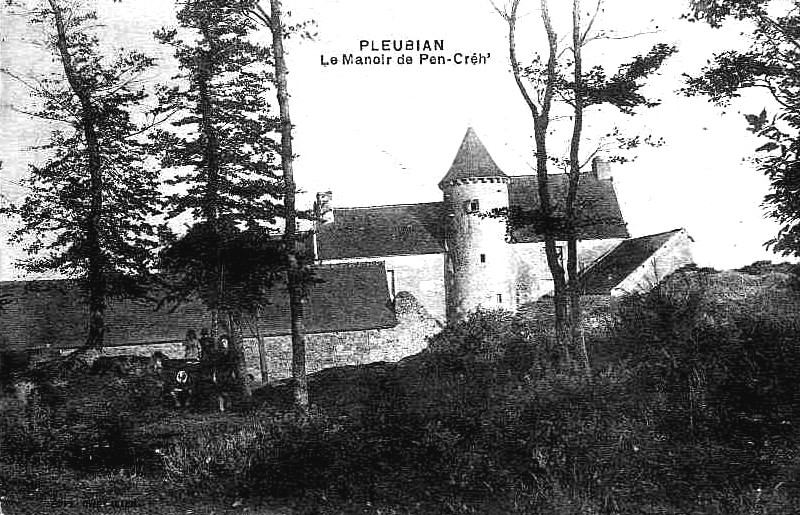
572 191
541 120
211 165
95 276
295 274
262 351
236 339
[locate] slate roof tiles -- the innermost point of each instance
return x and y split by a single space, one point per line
620 262
52 313
472 160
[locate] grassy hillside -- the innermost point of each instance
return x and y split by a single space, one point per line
693 407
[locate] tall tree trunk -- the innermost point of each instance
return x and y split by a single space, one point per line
236 339
262 351
541 120
211 165
295 274
95 274
572 192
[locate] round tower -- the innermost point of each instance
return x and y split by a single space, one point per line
478 263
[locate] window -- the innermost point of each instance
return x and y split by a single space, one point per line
483 258
471 206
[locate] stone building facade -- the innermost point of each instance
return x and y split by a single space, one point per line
473 248
350 320
390 276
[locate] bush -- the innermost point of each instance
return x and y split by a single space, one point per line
81 419
212 458
27 433
719 353
483 336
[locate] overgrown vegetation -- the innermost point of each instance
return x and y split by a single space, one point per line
693 408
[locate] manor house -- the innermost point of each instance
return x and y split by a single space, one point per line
461 253
387 277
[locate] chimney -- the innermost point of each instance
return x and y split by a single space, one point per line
601 169
322 207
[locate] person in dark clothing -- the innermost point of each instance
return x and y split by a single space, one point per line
207 346
191 346
224 371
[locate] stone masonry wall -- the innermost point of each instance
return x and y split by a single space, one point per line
326 350
533 277
421 275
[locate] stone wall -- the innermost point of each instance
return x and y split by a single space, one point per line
326 350
533 276
421 275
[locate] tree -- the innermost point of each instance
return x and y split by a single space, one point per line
297 272
221 137
249 264
770 64
565 81
90 208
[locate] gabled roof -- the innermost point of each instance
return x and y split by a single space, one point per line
344 297
406 229
472 160
411 229
596 205
611 269
39 314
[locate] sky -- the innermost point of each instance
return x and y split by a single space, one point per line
387 133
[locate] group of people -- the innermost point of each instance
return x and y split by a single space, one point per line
217 361
204 348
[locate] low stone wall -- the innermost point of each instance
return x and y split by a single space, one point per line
327 350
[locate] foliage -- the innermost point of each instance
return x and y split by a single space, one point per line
770 63
483 336
695 413
91 436
203 459
91 204
221 146
723 361
247 262
623 88
221 132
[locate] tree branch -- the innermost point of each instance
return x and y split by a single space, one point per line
591 22
511 19
551 62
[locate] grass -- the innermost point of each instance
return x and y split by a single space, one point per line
693 410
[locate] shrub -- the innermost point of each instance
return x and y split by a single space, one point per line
483 336
211 458
718 354
27 434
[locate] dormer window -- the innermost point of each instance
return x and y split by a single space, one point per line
472 206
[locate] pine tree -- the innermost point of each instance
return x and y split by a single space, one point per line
90 208
220 145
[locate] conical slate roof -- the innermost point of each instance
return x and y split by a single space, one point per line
472 160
